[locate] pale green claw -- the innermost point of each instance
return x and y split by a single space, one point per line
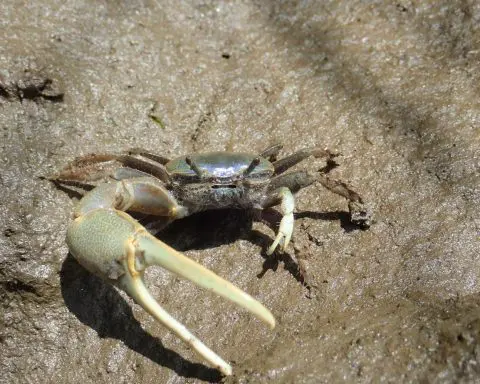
112 245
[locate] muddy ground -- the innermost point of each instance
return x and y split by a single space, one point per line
392 86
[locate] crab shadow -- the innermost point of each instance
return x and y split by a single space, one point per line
207 229
213 228
101 307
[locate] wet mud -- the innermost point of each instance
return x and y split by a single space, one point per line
393 87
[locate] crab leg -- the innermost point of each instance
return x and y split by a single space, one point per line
287 162
284 197
271 152
111 244
360 214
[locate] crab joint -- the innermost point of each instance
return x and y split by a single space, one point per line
135 257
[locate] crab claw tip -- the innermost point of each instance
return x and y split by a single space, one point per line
158 253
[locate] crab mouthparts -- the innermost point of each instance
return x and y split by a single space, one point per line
224 186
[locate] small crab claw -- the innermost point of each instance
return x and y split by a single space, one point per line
287 204
111 244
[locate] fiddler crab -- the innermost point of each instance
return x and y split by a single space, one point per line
111 244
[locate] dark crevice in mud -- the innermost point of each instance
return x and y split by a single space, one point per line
17 285
9 232
4 93
32 88
40 293
329 166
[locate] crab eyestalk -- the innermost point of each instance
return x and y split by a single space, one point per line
252 166
194 167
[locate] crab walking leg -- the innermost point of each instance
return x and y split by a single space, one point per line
271 152
360 213
288 162
287 204
112 245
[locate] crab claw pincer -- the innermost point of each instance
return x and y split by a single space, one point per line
114 246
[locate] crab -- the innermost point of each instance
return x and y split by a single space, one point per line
111 244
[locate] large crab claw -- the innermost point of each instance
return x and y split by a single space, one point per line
111 244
